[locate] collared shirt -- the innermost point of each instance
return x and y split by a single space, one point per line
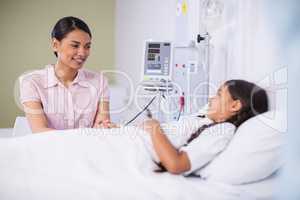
65 108
200 151
208 145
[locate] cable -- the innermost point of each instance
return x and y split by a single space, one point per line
139 113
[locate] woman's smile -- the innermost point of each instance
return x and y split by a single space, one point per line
79 60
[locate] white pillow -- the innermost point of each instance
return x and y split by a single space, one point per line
253 154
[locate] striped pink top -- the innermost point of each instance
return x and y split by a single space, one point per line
65 108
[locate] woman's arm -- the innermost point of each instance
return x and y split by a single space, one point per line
102 118
174 161
36 117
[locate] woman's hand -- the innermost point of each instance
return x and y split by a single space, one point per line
106 124
102 119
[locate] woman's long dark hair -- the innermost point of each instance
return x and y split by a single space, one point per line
67 24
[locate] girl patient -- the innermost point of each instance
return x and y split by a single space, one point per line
235 102
181 147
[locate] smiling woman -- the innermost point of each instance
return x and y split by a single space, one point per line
64 95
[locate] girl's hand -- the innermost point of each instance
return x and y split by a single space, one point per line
150 125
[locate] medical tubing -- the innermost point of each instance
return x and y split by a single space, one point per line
145 108
181 104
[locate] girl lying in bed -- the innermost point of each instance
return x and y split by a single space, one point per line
182 147
235 102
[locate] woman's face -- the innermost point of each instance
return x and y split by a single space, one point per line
74 49
222 106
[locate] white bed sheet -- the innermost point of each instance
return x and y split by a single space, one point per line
93 164
263 190
6 132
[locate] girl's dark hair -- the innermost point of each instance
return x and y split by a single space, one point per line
254 100
66 25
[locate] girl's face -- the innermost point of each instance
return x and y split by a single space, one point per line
73 50
222 106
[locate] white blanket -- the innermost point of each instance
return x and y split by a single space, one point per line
94 164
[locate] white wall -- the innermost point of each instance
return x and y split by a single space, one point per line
243 44
136 21
284 14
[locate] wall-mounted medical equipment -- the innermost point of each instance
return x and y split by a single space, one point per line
177 71
157 60
176 75
157 66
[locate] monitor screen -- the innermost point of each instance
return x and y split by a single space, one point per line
157 59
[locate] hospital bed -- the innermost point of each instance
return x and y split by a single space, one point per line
6 132
247 169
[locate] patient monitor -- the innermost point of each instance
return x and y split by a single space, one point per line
157 65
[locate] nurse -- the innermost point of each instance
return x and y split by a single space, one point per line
64 95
